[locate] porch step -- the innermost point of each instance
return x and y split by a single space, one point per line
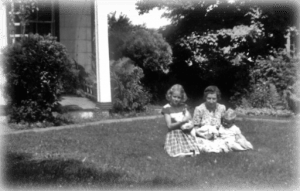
80 107
75 103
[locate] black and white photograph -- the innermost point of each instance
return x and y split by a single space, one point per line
149 95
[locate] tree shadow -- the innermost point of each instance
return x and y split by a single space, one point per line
21 172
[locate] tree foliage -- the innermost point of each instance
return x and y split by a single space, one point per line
119 31
146 48
218 42
242 41
149 50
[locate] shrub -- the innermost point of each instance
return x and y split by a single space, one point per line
275 98
292 97
259 96
128 92
279 70
35 69
263 96
296 88
270 77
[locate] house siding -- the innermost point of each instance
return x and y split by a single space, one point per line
76 31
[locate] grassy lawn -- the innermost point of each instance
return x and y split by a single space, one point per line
130 155
73 116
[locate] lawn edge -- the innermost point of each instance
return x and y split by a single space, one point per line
108 121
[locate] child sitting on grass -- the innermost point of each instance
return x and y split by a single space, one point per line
179 141
231 134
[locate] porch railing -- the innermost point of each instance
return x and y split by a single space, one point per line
90 91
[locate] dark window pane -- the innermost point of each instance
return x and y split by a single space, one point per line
44 13
17 29
44 28
31 28
33 16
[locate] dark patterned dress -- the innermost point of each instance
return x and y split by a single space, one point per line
178 142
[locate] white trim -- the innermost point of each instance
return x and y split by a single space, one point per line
17 35
3 44
102 53
3 26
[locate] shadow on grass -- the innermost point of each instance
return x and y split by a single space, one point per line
20 172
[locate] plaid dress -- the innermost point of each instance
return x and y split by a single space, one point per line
178 142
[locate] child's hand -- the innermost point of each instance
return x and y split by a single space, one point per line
185 119
187 125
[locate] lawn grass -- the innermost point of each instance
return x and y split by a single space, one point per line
130 155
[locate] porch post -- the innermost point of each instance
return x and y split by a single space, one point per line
102 55
3 44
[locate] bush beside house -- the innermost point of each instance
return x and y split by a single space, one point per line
127 89
36 69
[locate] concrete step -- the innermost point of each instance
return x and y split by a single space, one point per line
74 103
79 107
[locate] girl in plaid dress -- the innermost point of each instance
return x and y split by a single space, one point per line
179 141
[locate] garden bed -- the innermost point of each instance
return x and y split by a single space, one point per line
265 112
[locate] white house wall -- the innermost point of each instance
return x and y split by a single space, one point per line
75 26
3 43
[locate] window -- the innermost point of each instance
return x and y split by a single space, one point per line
43 21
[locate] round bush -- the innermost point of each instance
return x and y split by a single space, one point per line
128 92
35 69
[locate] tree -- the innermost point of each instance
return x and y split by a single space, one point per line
149 50
214 39
119 31
146 48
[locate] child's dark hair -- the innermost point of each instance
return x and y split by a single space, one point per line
212 90
176 87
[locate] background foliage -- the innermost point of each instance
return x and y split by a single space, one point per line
270 78
223 43
146 48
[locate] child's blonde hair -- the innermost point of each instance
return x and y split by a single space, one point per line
230 114
176 87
